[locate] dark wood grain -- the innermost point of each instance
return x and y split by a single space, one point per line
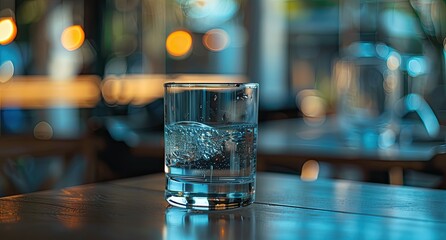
286 208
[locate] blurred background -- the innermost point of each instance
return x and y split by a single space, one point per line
349 89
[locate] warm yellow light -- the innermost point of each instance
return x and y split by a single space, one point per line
216 40
42 92
313 106
111 90
310 171
72 37
133 89
143 89
179 43
393 62
390 83
8 30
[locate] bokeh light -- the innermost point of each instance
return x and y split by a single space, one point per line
382 50
73 37
416 66
390 83
310 171
132 89
31 11
111 90
14 54
413 102
387 139
6 71
216 40
198 8
312 105
37 91
393 61
179 43
8 30
43 131
14 119
205 14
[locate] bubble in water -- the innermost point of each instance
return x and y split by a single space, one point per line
189 141
242 97
215 97
195 149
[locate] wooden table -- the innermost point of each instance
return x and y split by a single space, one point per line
285 208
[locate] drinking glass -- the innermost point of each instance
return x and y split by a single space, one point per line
210 133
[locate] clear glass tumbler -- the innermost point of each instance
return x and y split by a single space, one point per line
210 135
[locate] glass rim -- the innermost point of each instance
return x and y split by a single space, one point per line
211 85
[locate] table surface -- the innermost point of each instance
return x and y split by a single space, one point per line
285 208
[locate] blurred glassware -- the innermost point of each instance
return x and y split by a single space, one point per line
368 86
373 99
391 66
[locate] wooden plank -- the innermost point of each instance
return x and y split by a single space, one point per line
114 211
85 212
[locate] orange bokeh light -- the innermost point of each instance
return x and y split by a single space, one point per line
216 40
179 43
72 37
8 30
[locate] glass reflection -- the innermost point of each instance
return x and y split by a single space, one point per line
192 224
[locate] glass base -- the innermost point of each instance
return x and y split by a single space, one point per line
220 196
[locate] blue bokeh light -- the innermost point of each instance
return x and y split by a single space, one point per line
11 52
416 66
13 120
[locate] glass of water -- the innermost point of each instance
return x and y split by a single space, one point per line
210 135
